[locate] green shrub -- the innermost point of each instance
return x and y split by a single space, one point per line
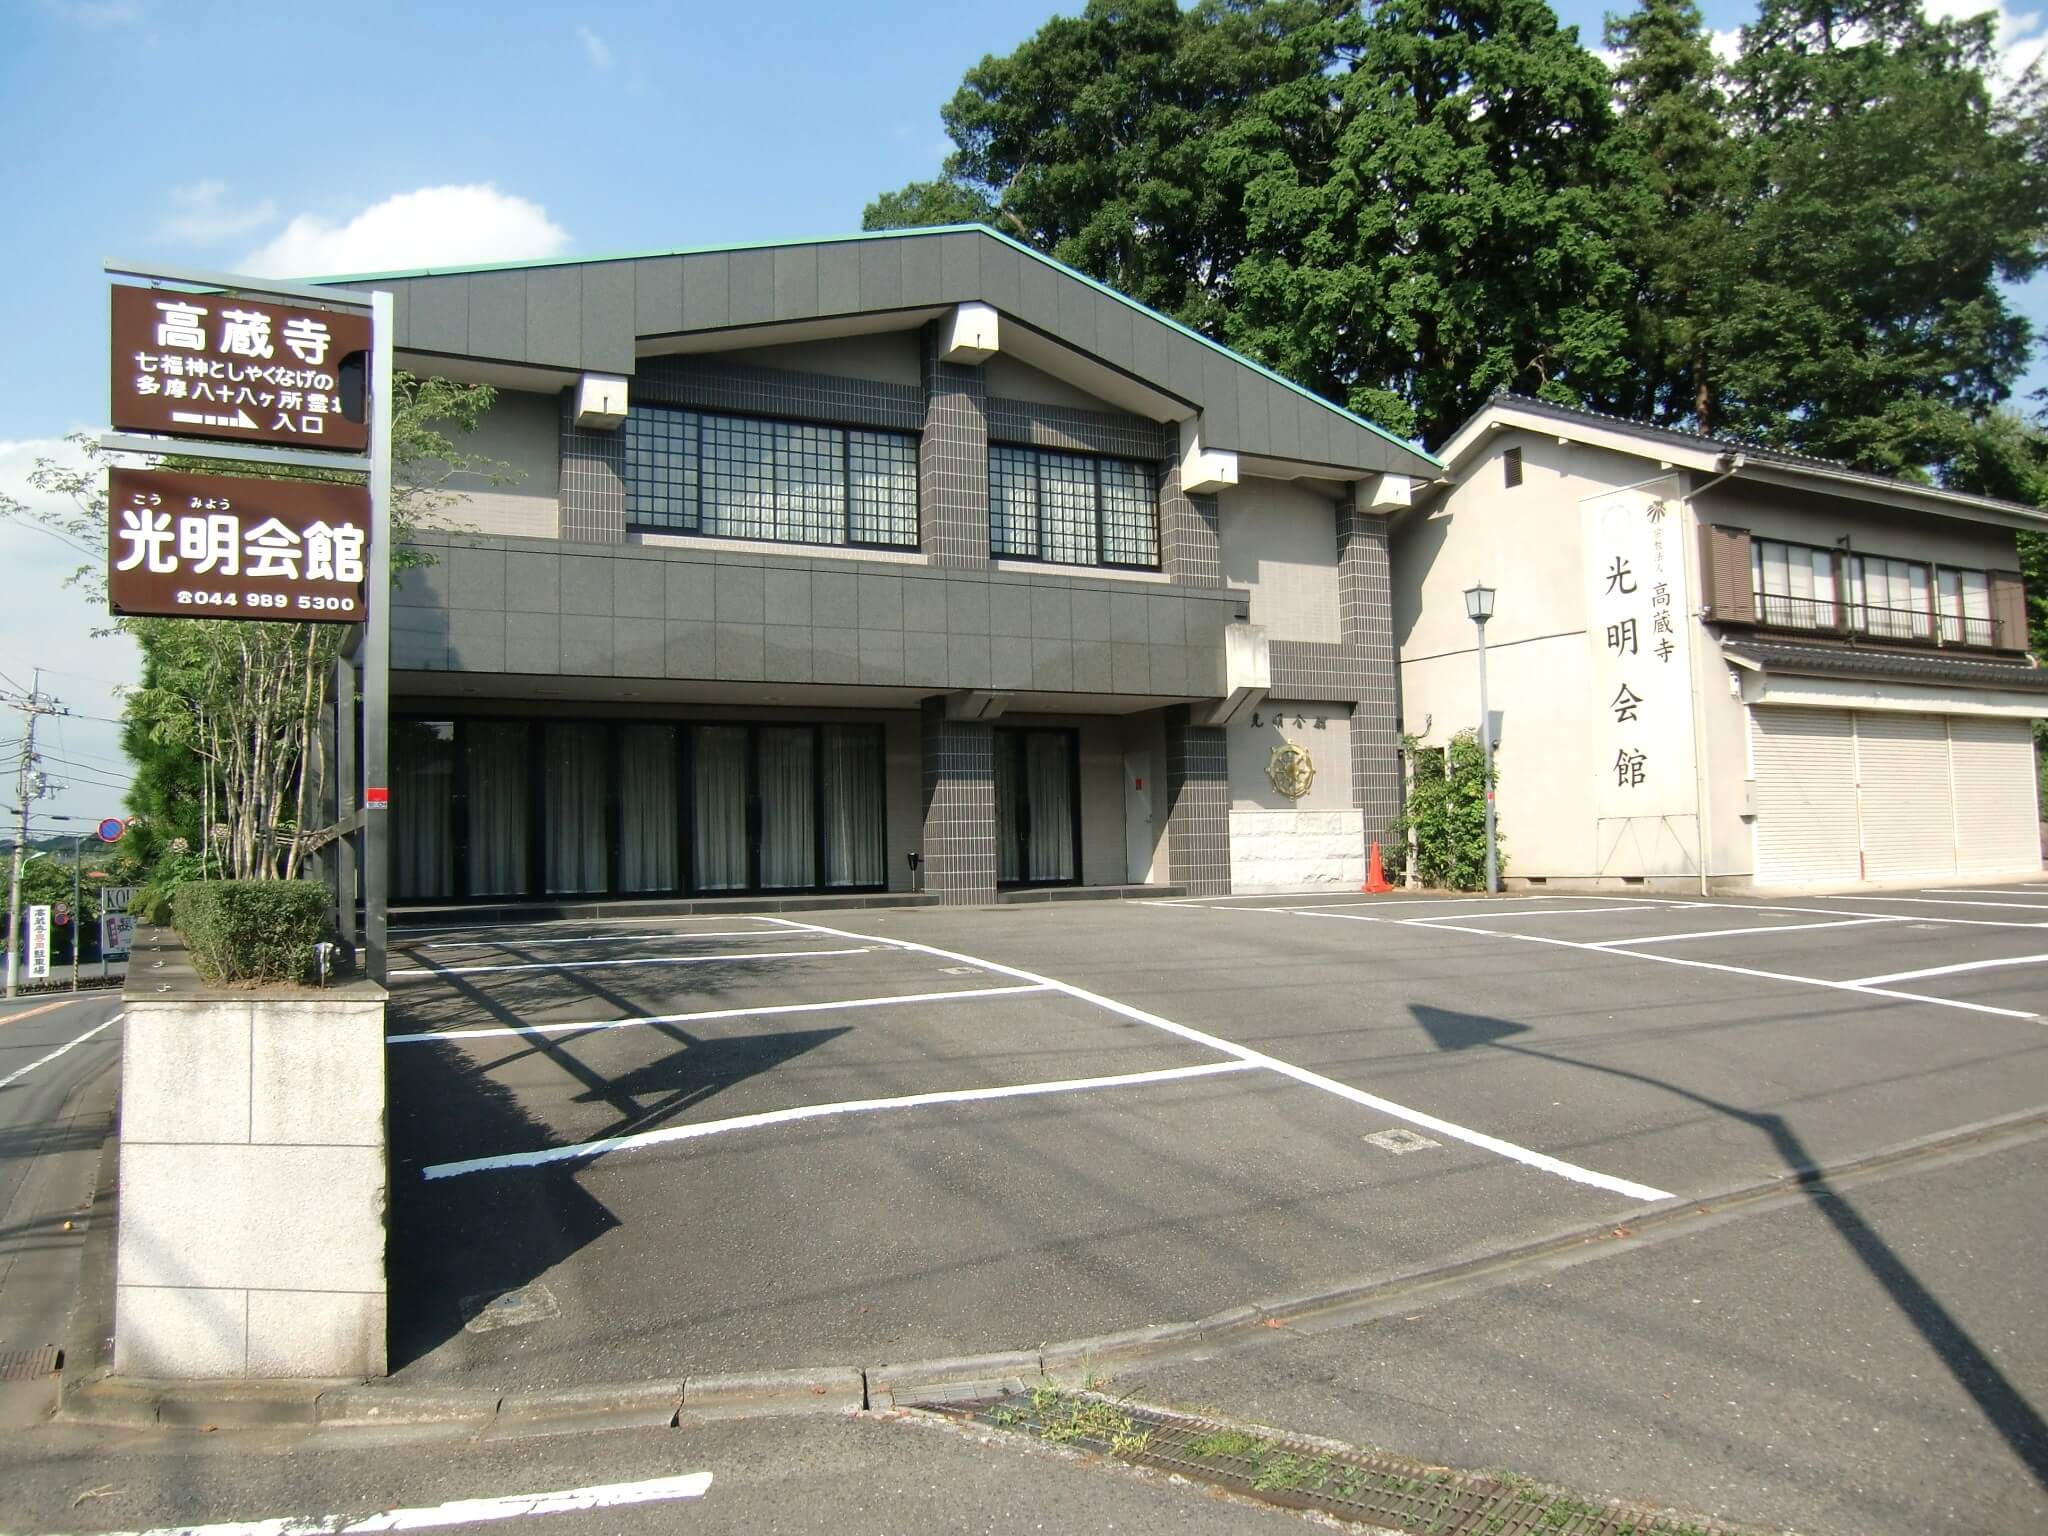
252 930
1446 811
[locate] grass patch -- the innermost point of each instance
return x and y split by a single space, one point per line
1227 1442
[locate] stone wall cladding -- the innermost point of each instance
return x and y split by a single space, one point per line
1198 805
1190 527
593 481
952 461
959 807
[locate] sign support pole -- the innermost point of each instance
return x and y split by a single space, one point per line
377 649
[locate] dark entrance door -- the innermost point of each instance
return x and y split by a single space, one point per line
1038 799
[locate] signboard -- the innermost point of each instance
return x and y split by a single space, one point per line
61 914
111 829
244 370
115 898
186 546
1638 635
38 943
117 936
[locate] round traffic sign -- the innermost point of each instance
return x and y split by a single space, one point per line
61 913
111 829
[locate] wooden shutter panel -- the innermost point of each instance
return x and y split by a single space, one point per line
2008 611
1725 574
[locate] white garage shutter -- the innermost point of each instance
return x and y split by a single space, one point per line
1909 828
1805 796
1998 830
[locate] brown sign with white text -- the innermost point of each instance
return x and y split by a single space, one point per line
186 546
217 365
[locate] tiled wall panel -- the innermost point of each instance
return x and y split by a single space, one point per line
952 461
1198 805
959 807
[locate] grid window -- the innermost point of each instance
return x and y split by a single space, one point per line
1072 510
745 478
883 466
1013 502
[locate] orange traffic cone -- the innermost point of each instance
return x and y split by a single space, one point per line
1376 883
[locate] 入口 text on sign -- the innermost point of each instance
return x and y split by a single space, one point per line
217 365
234 547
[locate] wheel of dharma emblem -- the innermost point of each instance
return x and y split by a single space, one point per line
1292 770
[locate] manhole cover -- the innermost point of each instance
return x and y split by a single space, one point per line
1400 1141
509 1309
30 1364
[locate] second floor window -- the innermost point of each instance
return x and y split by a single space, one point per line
1072 510
1798 586
1963 599
1795 585
743 477
1888 598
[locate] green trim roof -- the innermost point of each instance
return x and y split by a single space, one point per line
901 234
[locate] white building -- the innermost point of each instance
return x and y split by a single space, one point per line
1716 667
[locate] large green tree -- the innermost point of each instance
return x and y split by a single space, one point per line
1675 199
1885 197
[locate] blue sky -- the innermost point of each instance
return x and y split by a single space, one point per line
284 137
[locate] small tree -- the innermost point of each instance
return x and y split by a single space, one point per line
1446 812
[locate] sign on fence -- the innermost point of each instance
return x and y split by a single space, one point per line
117 935
38 943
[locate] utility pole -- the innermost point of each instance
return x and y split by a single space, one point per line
28 785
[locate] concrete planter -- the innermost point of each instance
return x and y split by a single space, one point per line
253 1179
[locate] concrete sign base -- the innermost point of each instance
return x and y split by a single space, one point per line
252 1184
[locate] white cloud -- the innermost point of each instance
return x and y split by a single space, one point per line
434 226
1726 43
2021 34
46 624
203 215
593 45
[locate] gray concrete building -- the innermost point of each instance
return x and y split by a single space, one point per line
910 560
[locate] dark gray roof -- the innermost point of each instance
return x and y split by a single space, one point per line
587 313
1902 666
1754 454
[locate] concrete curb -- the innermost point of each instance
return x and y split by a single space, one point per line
327 1405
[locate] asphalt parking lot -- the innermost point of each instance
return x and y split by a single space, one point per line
722 1143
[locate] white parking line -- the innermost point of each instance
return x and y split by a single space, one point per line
589 965
1729 933
1542 912
20 1072
1929 901
1950 970
605 1144
599 938
1742 970
1329 1085
642 919
2040 891
652 1490
691 1018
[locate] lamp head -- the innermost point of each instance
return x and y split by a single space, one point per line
1479 603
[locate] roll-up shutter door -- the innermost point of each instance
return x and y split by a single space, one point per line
1998 830
1805 796
1909 827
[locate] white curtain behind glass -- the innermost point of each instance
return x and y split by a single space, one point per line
853 806
578 842
718 807
788 821
647 808
1049 784
497 807
1008 867
423 794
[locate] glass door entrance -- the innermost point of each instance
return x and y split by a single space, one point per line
1038 796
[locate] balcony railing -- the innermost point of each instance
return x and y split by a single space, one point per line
1910 626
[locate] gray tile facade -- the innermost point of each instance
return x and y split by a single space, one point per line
959 799
952 461
1198 805
593 489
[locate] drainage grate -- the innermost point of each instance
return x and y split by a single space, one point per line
1366 1487
30 1364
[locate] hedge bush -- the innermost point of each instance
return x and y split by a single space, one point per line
252 930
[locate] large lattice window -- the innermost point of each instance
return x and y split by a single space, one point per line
1072 510
743 477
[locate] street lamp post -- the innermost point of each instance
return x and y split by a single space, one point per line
1479 605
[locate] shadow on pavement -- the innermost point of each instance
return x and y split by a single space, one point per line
1974 1371
456 1240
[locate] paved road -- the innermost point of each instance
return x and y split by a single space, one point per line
58 1078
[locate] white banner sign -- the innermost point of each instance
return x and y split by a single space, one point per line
117 936
38 943
1645 795
114 899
